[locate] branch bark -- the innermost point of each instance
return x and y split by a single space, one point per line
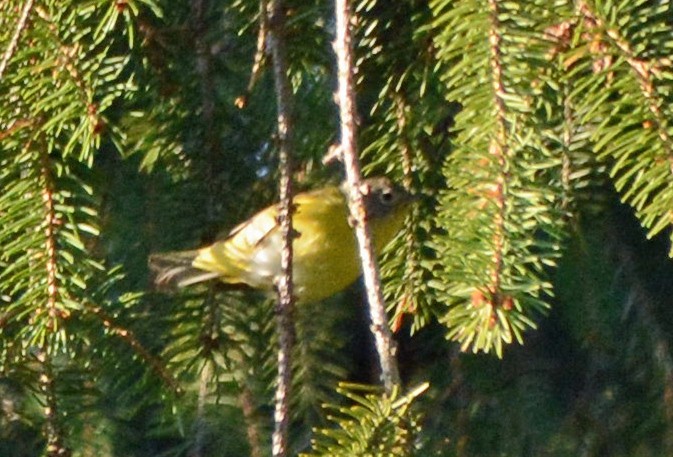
385 344
284 310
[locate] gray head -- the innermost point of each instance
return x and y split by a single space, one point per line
381 196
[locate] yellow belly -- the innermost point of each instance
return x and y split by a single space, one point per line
324 265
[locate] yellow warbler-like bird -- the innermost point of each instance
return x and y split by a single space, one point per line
325 260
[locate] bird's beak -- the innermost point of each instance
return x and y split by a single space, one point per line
413 198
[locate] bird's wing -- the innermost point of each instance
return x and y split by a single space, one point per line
255 230
233 256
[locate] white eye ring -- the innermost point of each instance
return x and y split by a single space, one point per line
387 196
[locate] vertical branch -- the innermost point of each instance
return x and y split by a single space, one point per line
285 324
50 226
499 150
385 345
498 146
247 401
20 26
55 446
54 435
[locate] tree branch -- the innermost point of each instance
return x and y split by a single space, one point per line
20 26
56 446
51 223
500 151
284 310
260 56
385 345
129 337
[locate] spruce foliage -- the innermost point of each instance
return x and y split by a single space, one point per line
536 134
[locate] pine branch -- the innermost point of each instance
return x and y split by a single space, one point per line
285 307
499 149
50 223
376 424
385 345
501 210
408 304
52 114
55 312
627 66
644 72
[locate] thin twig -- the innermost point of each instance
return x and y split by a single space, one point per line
130 338
284 311
20 26
260 56
385 345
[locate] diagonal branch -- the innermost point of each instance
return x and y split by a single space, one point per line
385 345
20 26
260 56
129 337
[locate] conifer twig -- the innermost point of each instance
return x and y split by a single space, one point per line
284 310
20 26
129 337
260 56
385 345
53 433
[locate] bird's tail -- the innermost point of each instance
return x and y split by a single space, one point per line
175 269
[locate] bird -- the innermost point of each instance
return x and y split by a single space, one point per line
325 254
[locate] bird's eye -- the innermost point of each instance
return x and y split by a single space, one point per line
387 196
